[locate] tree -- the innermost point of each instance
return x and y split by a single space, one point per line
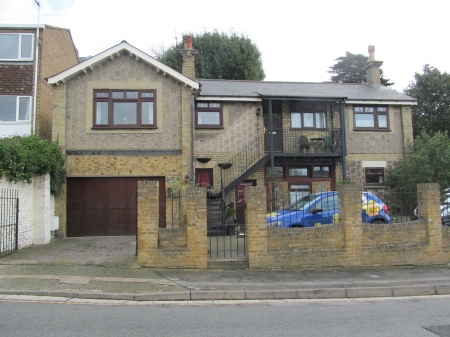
432 90
427 163
220 56
350 69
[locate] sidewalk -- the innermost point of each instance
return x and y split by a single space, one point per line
106 268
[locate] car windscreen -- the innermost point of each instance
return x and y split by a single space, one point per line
301 203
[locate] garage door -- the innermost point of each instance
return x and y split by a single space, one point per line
106 206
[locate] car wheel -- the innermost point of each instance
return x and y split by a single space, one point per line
446 223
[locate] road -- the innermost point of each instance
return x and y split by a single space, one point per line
369 317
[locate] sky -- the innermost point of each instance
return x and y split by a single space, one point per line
299 39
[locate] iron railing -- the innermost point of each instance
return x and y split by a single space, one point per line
9 222
317 141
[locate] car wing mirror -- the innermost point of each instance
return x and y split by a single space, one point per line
317 210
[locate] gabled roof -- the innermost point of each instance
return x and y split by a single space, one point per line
252 90
115 51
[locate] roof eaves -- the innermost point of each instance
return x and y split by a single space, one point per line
116 50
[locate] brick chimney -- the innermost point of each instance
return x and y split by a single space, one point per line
373 68
188 58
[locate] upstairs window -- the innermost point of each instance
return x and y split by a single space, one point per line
371 118
16 47
308 115
125 109
208 115
15 108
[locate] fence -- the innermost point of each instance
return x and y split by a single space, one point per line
9 221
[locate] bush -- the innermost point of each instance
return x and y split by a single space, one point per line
23 158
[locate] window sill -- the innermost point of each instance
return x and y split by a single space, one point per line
209 127
372 130
125 128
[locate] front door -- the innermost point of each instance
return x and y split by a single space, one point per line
277 126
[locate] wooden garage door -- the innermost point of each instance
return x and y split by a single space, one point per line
106 206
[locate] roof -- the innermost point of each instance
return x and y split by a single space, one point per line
115 51
252 90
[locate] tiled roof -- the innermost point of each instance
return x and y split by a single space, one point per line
253 89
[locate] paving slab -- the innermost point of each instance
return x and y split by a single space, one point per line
321 293
369 292
414 290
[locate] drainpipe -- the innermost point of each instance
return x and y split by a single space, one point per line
192 170
344 145
36 80
271 136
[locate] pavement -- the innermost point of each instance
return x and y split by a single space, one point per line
106 268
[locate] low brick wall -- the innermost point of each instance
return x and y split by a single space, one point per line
446 239
172 238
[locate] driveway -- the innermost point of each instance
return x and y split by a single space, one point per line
113 251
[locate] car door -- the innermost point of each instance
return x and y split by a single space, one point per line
322 212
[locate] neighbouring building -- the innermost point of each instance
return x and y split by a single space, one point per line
28 55
121 116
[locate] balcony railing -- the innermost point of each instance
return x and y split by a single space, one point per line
300 141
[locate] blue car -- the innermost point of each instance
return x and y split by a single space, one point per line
322 209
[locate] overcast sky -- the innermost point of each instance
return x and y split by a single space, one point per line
299 40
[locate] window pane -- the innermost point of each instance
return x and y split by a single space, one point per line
8 108
297 195
374 171
125 113
322 172
24 108
101 94
9 46
214 105
374 180
364 121
202 105
118 94
298 172
368 109
382 121
147 113
308 120
132 94
208 118
147 94
26 47
320 120
101 115
296 120
277 171
359 109
382 109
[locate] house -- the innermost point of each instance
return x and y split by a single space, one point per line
29 54
121 116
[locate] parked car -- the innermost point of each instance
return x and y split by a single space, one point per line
322 209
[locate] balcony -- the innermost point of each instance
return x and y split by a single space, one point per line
304 142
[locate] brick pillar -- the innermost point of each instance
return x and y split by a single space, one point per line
147 222
428 197
256 225
350 217
197 240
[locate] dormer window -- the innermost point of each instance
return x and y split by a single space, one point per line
16 47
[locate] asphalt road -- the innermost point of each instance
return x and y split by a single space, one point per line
418 316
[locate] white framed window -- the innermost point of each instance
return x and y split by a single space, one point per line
15 108
16 47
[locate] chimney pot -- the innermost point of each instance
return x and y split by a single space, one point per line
371 53
188 42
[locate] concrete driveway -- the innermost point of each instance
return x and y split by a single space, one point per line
111 251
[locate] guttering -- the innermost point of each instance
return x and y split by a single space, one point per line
36 75
373 102
229 98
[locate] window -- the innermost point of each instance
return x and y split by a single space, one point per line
327 204
208 115
298 172
125 109
322 172
16 47
15 108
371 118
277 172
298 191
374 176
308 115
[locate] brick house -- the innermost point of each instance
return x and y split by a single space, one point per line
28 55
121 116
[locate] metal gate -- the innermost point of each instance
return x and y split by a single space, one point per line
226 227
9 222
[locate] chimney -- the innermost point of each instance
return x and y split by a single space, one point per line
373 68
188 58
